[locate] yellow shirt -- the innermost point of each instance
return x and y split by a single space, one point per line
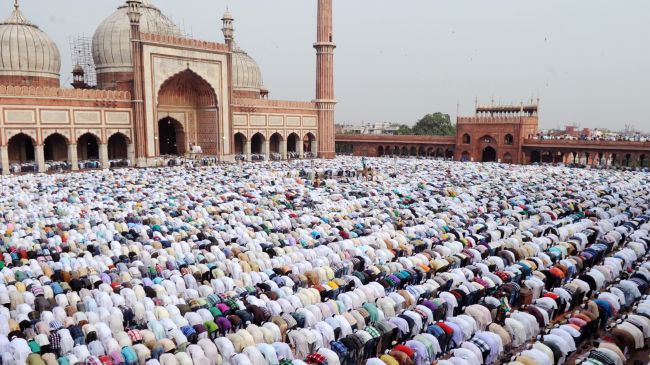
389 360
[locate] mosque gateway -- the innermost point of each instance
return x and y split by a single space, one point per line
157 95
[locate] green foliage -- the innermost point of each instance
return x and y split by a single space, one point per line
404 129
436 124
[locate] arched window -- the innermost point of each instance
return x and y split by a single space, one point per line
467 139
509 139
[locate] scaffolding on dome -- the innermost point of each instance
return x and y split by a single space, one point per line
81 50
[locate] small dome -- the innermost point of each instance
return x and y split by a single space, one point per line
246 73
112 39
227 15
25 50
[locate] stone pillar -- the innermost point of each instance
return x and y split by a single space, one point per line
39 154
4 159
314 147
72 156
247 150
300 146
325 102
266 150
283 149
139 118
130 153
103 156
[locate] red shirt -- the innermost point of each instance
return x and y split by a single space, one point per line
405 349
448 330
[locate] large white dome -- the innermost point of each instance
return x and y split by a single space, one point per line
112 39
246 74
25 50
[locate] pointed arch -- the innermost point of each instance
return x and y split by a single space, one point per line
88 147
488 139
55 147
309 143
188 93
257 143
118 146
274 142
507 158
240 142
187 88
20 148
292 142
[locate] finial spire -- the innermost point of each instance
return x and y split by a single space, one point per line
16 6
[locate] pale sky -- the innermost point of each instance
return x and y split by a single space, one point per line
588 60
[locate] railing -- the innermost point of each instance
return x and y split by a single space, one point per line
586 144
120 163
396 139
266 103
58 166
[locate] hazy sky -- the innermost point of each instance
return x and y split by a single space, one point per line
589 60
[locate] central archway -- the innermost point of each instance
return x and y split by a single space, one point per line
188 94
171 137
489 154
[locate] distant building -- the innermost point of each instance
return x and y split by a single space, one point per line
508 134
368 128
381 128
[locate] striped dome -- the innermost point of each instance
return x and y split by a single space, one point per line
246 73
25 50
112 39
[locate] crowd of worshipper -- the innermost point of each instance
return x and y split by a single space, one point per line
303 262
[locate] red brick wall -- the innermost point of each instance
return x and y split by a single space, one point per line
240 94
122 81
30 81
496 128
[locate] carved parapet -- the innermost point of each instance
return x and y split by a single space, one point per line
184 42
52 92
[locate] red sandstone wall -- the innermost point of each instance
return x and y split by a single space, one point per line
273 106
497 128
36 81
122 81
240 94
49 96
207 137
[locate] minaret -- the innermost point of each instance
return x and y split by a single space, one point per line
228 29
139 121
325 102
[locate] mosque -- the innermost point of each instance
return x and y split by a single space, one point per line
158 93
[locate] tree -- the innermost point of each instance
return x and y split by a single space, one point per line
436 124
404 129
